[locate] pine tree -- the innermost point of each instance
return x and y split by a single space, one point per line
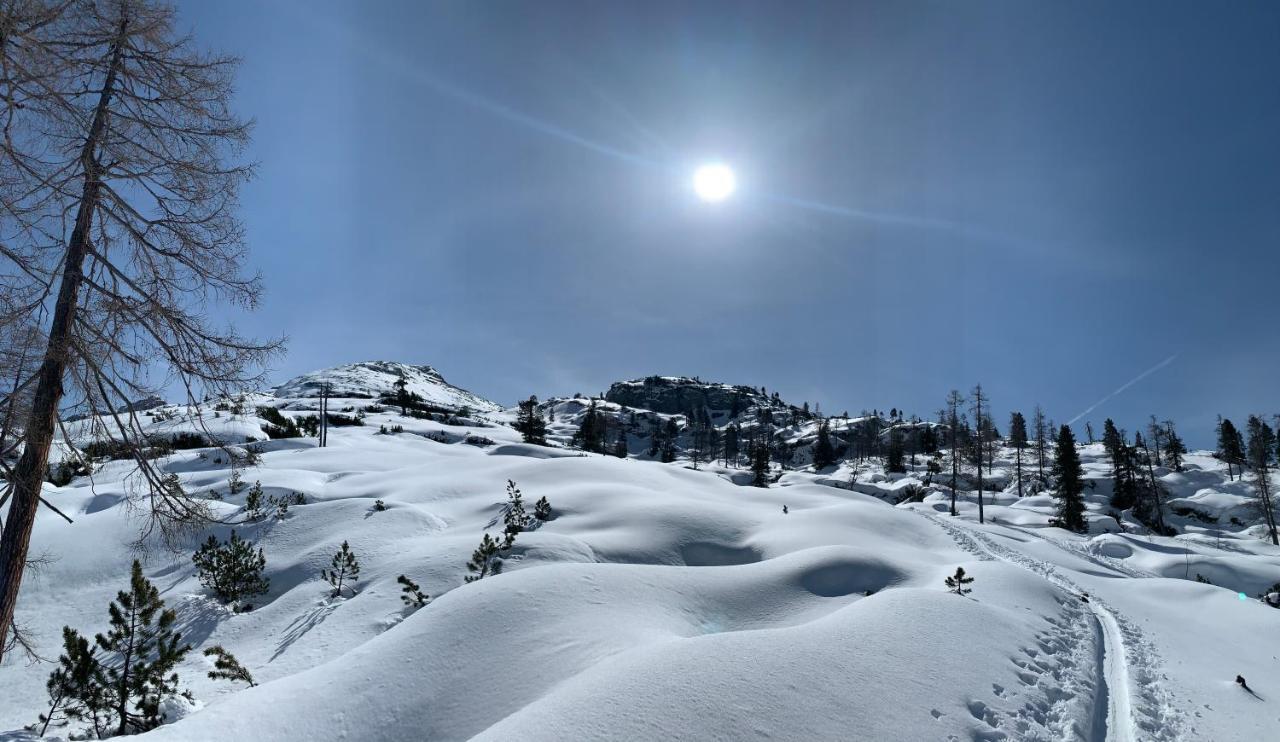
344 571
1018 440
253 502
1174 449
227 667
1261 449
401 395
1230 446
411 594
145 650
620 446
1069 476
731 438
591 431
74 691
231 570
956 583
760 464
529 423
542 509
824 454
484 560
235 483
514 520
894 458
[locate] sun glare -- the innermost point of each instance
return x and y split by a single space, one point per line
714 182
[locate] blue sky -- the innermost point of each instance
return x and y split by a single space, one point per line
1047 198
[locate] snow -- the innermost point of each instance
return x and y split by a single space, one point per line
662 602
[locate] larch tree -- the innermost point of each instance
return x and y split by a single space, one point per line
954 400
1040 436
118 230
981 405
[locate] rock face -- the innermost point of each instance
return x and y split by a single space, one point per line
371 379
673 395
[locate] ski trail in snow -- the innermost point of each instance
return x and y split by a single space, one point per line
1122 646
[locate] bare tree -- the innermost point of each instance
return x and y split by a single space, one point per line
954 400
119 233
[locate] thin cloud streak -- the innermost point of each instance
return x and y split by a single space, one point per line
1131 382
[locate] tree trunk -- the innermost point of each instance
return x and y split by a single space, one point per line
29 474
1018 465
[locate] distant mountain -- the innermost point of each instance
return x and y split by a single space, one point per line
372 379
682 395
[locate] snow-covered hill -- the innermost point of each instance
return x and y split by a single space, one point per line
372 379
661 602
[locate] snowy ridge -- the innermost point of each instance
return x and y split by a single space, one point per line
372 379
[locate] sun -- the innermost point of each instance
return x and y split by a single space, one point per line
714 182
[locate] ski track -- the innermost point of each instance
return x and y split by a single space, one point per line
1122 659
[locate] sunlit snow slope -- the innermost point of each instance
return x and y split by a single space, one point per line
661 602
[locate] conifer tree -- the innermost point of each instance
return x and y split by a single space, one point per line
591 431
1230 446
980 406
231 570
731 437
1261 449
954 400
894 457
620 446
74 691
514 520
824 454
401 395
144 650
253 502
1069 476
529 423
760 464
344 570
1018 440
484 560
1040 432
411 594
956 583
227 667
542 509
1174 449
1155 434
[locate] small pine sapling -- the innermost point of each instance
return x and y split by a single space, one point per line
73 694
515 519
227 667
253 502
145 650
484 560
379 505
345 570
542 509
411 594
231 570
235 483
956 583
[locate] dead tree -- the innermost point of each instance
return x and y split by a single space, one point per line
120 217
